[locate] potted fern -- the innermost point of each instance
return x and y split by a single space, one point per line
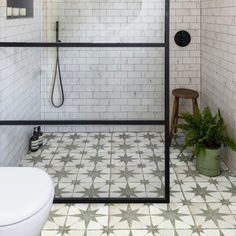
206 133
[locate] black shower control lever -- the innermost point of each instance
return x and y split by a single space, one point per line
182 38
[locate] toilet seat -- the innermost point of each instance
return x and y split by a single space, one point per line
24 192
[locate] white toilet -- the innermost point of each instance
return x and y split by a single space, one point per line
26 196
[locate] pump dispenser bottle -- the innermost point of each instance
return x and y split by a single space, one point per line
34 143
40 136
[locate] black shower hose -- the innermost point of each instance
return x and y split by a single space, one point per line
57 69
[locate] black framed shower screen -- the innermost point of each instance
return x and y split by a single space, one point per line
164 122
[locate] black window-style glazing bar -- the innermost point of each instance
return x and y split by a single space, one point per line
82 122
82 45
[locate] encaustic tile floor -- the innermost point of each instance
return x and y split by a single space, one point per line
127 165
199 205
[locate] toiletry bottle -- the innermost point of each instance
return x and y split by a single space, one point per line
34 144
40 136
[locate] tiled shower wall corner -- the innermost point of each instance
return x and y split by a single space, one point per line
218 62
185 62
20 83
117 83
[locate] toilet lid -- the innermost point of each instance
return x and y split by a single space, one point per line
23 192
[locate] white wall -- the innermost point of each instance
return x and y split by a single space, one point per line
19 83
218 63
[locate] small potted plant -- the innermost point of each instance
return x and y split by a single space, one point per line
206 133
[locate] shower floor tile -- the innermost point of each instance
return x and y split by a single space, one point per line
95 165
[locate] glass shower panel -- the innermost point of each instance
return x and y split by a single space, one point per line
102 84
107 21
20 79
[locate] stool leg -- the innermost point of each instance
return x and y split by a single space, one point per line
173 117
195 106
177 115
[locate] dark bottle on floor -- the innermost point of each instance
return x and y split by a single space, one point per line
34 143
40 136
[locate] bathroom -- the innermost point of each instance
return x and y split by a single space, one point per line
104 137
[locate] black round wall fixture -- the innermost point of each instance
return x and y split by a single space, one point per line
182 38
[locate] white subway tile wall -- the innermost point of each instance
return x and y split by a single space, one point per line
116 84
107 20
185 62
218 62
110 84
19 83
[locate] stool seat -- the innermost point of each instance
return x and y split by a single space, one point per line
185 93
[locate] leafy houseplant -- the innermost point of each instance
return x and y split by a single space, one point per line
206 133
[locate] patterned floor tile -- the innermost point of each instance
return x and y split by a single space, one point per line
128 174
91 190
64 189
186 159
93 173
155 158
63 174
71 148
176 193
171 216
128 190
190 174
213 216
66 159
130 217
57 217
227 190
155 190
201 192
87 216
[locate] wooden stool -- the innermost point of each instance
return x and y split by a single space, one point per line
185 94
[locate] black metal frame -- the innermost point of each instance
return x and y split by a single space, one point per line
164 122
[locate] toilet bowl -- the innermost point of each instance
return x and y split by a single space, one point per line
26 197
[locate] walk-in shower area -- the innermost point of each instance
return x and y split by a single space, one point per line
94 75
103 165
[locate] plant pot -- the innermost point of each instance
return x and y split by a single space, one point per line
209 164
